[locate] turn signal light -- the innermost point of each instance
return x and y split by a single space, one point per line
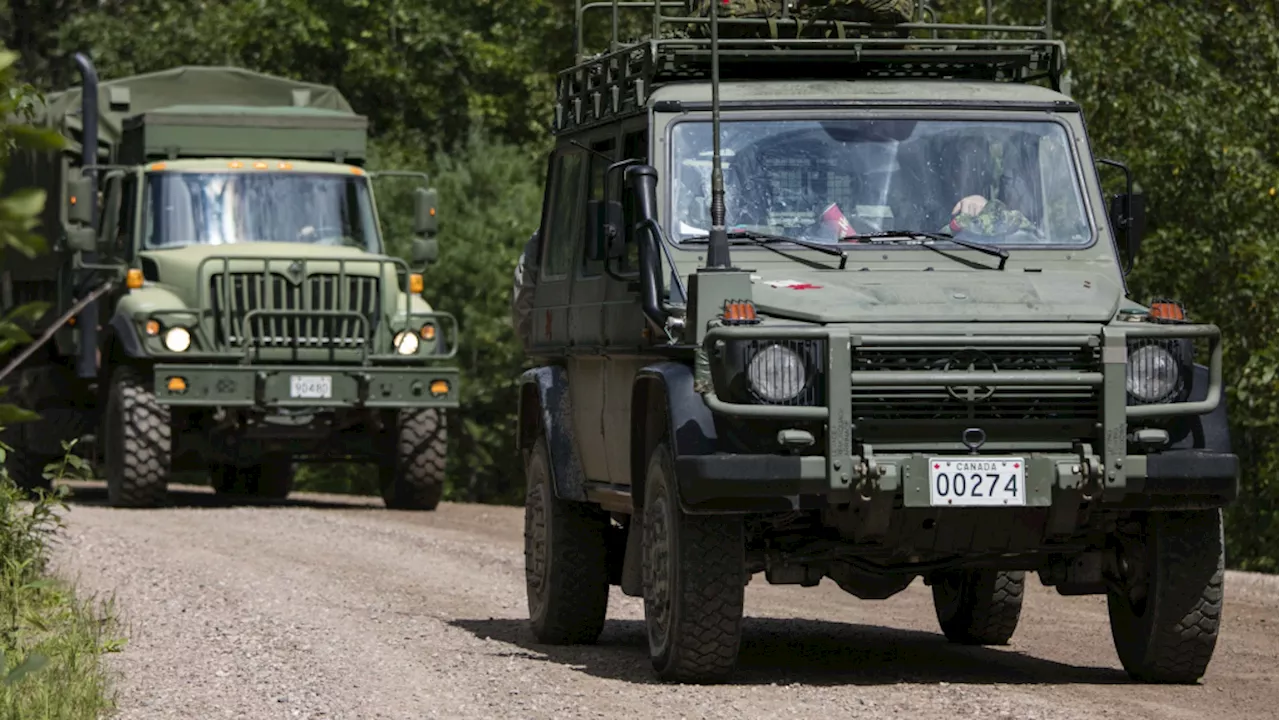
740 312
177 385
439 387
133 279
153 327
1168 311
428 332
415 283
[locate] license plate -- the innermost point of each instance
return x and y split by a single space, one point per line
977 482
311 387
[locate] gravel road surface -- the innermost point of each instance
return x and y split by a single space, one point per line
329 607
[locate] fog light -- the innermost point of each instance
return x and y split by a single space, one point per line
177 385
440 387
406 342
177 340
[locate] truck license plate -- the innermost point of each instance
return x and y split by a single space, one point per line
311 386
977 482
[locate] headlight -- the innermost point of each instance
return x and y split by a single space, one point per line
1153 374
406 342
177 339
776 374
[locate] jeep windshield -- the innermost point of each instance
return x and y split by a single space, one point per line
194 208
999 183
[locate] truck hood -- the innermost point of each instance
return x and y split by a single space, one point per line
177 268
905 296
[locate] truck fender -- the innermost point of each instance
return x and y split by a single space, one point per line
1210 431
546 407
124 328
664 402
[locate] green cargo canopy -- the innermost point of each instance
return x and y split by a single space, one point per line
218 131
123 98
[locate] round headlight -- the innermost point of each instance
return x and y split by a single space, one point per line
1152 374
177 339
776 374
406 342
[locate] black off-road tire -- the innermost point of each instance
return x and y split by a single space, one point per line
694 581
566 565
137 435
25 469
1170 635
271 479
979 607
412 478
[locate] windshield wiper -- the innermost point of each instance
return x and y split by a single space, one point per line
890 237
760 238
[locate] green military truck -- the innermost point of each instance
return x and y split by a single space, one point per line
846 299
228 304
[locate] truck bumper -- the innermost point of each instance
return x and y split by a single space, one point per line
1177 476
286 386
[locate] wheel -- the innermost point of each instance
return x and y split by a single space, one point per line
136 430
694 569
566 567
25 469
978 607
270 479
1167 606
412 477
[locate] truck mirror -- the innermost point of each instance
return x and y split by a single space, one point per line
81 197
425 251
1129 219
604 230
81 238
424 211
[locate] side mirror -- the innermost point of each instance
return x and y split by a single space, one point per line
425 221
82 238
605 239
425 251
82 195
1129 218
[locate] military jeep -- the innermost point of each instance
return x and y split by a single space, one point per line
854 307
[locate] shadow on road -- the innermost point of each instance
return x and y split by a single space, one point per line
809 652
95 494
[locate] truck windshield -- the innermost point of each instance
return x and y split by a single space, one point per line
190 208
831 179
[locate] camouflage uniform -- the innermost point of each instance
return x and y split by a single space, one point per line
996 218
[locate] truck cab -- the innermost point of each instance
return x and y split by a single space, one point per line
851 304
257 318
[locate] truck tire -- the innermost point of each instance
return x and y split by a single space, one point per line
694 569
978 607
26 469
136 432
566 565
271 479
1166 610
412 477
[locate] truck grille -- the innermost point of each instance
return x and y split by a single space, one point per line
975 403
235 295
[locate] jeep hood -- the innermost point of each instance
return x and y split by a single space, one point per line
906 296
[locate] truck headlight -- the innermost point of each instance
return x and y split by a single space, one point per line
1153 374
777 374
177 339
406 342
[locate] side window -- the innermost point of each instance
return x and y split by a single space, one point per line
566 228
595 191
125 214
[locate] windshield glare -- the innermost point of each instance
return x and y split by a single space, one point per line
227 208
823 180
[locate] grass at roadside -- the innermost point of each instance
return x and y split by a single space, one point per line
51 640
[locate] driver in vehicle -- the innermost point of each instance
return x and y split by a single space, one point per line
974 212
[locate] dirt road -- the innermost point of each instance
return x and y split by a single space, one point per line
331 608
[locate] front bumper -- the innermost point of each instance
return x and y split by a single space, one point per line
1179 476
272 386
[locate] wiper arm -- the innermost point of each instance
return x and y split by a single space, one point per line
889 236
760 238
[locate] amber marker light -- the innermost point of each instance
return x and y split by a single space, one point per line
415 283
235 165
439 387
428 332
158 166
153 327
177 385
133 279
259 166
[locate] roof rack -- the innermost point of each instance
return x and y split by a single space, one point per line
617 81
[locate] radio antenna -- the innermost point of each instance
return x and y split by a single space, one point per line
718 237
